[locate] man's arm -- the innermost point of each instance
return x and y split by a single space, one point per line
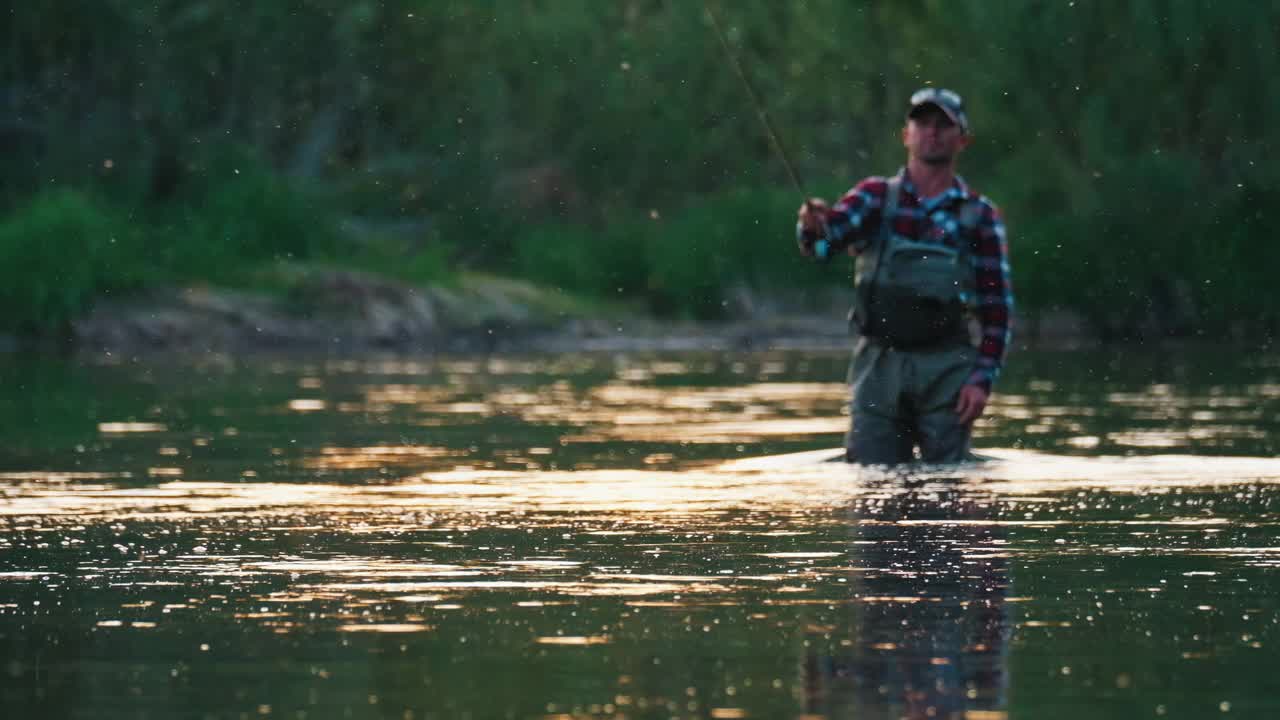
994 296
851 224
994 310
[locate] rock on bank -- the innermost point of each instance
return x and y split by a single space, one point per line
335 309
355 311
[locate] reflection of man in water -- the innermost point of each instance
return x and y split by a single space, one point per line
927 628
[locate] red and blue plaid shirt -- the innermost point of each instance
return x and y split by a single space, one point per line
854 222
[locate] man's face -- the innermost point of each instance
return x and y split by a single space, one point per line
931 137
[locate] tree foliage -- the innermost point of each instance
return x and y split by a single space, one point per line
1125 141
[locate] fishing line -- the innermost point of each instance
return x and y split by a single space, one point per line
821 246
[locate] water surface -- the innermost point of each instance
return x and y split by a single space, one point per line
571 536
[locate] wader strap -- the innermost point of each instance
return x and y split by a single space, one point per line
888 209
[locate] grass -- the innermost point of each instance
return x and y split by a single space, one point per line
60 251
1202 261
683 266
234 223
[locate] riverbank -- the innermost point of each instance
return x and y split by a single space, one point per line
239 274
354 311
359 311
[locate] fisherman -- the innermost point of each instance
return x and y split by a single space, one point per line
931 260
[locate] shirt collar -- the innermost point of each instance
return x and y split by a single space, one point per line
959 190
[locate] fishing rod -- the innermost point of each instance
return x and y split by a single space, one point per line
822 246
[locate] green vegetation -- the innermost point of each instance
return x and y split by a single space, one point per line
608 148
61 248
56 253
687 264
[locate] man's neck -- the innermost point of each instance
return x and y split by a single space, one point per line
930 180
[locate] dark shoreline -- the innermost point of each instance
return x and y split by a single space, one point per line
346 312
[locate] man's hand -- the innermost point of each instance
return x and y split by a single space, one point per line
813 215
971 403
813 219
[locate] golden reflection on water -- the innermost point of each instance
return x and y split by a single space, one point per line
700 428
421 506
797 483
633 406
374 457
743 508
573 640
119 428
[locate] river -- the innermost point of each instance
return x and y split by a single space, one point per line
585 536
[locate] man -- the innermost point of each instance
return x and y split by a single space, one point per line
931 255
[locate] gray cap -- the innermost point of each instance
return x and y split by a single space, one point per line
945 100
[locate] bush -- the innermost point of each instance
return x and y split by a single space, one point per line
684 266
235 212
66 247
738 239
60 251
603 262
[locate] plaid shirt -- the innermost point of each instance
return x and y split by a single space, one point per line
854 222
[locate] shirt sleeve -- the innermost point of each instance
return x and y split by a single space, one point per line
854 220
994 296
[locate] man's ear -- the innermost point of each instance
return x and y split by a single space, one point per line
965 139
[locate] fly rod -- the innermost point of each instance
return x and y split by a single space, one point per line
822 246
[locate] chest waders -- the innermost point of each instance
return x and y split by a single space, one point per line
914 295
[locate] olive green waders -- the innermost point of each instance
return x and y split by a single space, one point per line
913 353
907 398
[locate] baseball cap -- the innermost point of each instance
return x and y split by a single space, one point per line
946 100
